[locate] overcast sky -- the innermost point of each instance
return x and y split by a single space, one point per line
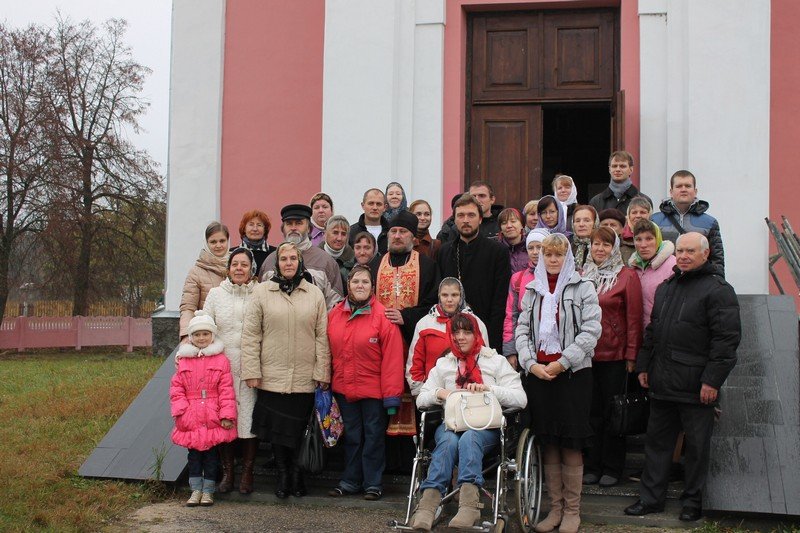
148 35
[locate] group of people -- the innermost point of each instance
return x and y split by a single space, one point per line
552 307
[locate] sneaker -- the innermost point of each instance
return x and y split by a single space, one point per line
590 479
194 499
207 499
608 481
372 495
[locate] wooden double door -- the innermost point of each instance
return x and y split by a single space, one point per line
520 64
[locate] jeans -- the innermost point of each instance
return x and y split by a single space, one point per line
203 466
465 449
364 444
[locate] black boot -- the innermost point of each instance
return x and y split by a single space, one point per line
281 463
298 483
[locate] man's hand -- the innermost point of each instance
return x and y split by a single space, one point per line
643 380
708 394
394 316
630 366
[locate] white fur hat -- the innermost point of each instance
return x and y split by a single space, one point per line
202 321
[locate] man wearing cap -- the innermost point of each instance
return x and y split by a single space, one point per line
295 223
406 282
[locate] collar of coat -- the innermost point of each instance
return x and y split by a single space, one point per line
667 249
190 350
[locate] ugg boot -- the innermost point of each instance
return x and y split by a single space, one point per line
573 482
249 449
469 507
552 478
423 517
226 459
281 463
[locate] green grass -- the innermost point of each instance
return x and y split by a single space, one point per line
54 409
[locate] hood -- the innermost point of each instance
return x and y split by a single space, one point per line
667 249
697 208
212 263
190 350
228 286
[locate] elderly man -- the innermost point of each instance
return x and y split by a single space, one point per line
688 351
374 204
295 226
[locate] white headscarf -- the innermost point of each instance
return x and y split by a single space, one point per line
605 274
549 338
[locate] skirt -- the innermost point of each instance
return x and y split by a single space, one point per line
282 418
560 409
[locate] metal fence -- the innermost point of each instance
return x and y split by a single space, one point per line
788 249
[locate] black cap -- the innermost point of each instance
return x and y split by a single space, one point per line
295 211
612 213
405 219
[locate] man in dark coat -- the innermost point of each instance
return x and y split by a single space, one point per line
620 189
688 351
482 265
374 204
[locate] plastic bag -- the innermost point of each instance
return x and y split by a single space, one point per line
329 417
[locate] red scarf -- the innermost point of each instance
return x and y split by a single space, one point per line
468 369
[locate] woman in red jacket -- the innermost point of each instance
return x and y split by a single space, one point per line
620 293
367 354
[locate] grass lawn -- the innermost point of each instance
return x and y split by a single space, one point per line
54 409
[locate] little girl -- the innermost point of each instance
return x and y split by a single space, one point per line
203 405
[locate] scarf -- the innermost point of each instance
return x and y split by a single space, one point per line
288 285
549 337
605 274
637 260
260 244
249 254
468 369
561 225
438 310
357 308
331 252
619 188
390 212
582 246
573 196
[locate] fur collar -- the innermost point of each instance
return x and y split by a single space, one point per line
667 250
190 350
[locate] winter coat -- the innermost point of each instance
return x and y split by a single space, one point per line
427 246
607 200
382 240
207 272
226 304
693 336
659 269
496 372
621 319
201 396
367 354
448 232
516 290
428 345
285 340
578 323
695 219
518 254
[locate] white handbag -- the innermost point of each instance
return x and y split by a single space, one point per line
465 410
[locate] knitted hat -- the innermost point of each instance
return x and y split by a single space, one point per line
536 235
202 321
614 214
405 219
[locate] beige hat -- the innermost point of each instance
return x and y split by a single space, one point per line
202 321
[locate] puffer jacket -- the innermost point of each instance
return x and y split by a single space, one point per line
207 272
428 344
622 319
285 338
516 290
579 325
226 305
652 275
496 372
695 219
693 336
367 354
201 396
518 254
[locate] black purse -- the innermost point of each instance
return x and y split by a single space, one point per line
312 450
630 411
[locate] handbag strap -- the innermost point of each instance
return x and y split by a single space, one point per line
463 402
674 221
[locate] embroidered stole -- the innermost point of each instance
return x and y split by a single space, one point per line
398 287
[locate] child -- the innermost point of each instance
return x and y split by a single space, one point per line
203 405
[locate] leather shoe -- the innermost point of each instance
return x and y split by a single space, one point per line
640 509
690 514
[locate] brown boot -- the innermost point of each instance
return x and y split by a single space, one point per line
573 482
423 517
469 507
552 478
249 449
226 459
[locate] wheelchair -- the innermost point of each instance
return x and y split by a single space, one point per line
516 471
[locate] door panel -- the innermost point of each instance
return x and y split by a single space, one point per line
505 58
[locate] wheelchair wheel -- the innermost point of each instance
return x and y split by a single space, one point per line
529 480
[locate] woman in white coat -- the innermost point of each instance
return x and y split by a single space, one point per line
226 305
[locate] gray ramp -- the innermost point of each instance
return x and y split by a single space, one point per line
755 450
132 448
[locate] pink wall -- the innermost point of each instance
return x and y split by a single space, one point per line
784 157
272 107
455 53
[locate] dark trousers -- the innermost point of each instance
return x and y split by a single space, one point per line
666 421
364 444
607 453
203 464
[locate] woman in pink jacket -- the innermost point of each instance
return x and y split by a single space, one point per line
203 405
367 379
653 261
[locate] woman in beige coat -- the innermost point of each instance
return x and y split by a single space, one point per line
285 355
208 272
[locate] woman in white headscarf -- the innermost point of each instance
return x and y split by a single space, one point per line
556 334
566 192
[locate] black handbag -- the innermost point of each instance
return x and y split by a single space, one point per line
630 411
312 450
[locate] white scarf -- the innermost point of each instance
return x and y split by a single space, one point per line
604 275
331 252
549 337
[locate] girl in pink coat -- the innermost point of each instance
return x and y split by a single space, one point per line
203 404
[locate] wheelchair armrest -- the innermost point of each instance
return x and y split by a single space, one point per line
431 409
507 411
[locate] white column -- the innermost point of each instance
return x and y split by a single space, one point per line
195 133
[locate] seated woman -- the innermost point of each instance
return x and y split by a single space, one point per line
468 365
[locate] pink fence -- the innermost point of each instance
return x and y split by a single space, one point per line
77 331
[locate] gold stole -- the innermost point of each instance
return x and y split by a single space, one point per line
398 287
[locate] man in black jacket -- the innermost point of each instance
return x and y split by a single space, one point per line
688 351
482 265
620 189
374 204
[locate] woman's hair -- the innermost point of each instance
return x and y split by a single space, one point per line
254 213
320 196
639 201
283 246
604 234
509 212
359 268
585 208
365 235
336 221
216 227
562 177
644 226
544 203
415 203
555 242
530 206
460 322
